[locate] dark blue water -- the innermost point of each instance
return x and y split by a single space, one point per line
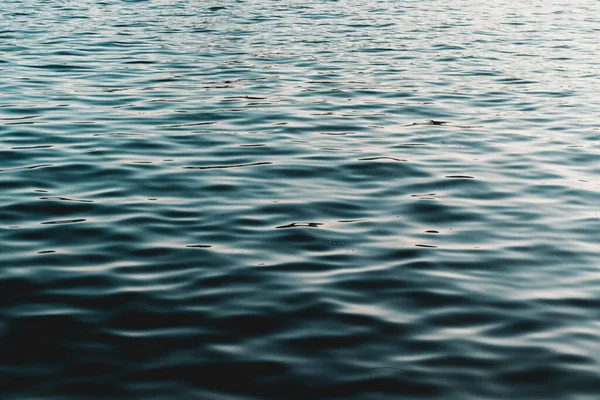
300 200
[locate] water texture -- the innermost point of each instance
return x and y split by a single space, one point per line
300 200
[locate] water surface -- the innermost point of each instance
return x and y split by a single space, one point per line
299 200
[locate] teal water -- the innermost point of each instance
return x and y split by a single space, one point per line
300 200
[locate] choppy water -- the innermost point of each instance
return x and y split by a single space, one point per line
300 200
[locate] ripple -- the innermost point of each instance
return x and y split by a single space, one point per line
31 147
301 224
231 166
381 158
26 168
64 221
65 199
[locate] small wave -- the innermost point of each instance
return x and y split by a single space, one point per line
381 158
31 147
231 166
26 168
300 225
66 199
64 221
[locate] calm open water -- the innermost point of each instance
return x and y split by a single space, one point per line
300 200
